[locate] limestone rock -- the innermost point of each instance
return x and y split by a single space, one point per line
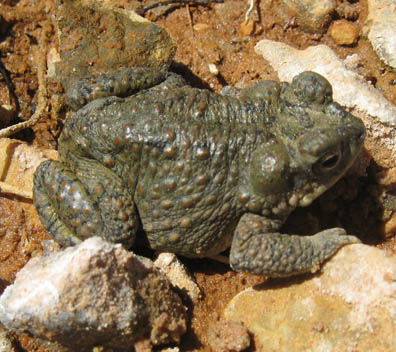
96 293
381 29
177 274
351 306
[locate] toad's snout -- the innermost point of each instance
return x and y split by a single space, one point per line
353 134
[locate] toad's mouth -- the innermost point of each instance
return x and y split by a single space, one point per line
306 197
328 169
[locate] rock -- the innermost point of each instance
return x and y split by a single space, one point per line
312 15
344 32
7 343
18 161
349 89
247 27
351 306
381 29
96 36
93 294
177 274
225 336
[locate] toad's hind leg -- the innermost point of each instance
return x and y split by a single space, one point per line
121 82
258 250
91 201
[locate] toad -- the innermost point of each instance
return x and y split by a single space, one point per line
148 159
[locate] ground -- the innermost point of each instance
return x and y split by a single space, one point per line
204 35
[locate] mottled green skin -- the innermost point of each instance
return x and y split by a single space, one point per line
199 171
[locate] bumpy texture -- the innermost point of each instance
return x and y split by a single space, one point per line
199 171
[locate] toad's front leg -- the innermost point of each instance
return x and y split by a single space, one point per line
257 249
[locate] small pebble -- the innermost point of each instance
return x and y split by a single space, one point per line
344 33
247 27
228 336
201 27
213 69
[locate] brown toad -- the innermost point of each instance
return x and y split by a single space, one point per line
198 171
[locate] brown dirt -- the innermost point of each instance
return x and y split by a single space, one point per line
204 35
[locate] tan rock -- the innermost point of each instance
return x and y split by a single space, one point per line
343 32
228 336
247 27
18 162
351 306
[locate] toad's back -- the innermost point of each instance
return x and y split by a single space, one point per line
178 152
195 169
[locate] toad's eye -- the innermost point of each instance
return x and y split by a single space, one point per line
327 162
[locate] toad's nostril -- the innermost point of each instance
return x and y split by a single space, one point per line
361 135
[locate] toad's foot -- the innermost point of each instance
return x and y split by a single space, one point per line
93 202
256 250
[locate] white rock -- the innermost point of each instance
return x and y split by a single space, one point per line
349 88
381 28
177 274
351 306
96 293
